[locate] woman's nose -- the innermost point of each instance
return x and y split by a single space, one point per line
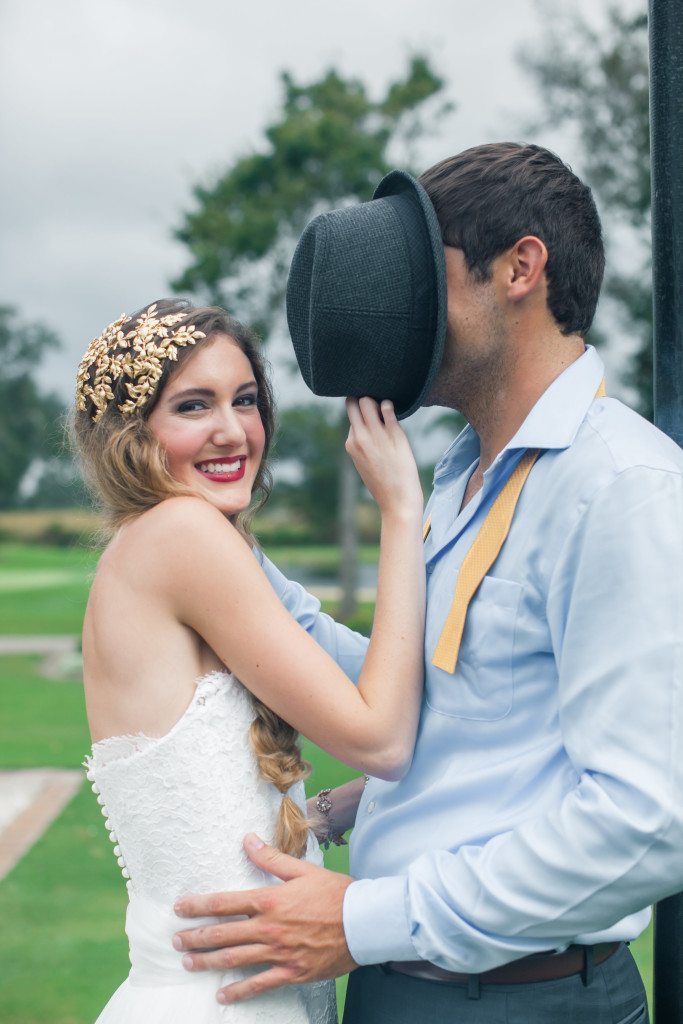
228 429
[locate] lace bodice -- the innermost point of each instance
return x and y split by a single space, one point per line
177 809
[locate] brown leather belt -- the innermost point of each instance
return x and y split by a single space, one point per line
539 967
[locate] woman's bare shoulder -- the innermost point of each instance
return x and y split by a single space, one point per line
174 530
176 515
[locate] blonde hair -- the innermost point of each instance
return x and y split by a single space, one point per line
126 470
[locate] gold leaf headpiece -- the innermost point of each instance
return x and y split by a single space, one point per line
137 354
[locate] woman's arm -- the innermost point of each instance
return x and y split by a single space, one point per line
341 816
214 584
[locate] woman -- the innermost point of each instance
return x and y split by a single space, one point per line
196 677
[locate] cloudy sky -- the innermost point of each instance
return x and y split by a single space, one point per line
113 109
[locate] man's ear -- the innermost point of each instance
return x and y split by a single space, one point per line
528 258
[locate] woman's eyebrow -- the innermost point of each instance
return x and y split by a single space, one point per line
209 392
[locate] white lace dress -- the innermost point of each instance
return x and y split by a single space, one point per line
177 809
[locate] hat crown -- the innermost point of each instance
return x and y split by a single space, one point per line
366 297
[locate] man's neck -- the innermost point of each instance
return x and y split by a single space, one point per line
497 419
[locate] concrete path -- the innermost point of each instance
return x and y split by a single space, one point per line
30 800
38 579
60 655
38 644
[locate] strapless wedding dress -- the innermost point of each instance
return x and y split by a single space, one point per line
177 809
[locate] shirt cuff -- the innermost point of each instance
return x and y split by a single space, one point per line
376 922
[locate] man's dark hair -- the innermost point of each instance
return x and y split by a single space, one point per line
489 197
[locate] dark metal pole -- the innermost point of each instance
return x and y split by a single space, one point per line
666 120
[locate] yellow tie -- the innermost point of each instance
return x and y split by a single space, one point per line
481 556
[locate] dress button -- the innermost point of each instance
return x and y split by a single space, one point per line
371 806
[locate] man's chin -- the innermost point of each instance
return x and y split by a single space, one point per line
437 398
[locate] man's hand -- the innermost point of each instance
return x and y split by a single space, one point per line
296 928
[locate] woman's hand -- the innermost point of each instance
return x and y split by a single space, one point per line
382 455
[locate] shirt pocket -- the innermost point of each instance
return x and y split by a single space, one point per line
482 687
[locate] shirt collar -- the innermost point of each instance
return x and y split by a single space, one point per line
553 422
555 419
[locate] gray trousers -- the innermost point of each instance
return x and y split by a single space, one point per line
615 995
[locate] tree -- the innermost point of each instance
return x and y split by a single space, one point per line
328 146
596 82
29 419
309 436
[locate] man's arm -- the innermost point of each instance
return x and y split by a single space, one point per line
345 646
612 845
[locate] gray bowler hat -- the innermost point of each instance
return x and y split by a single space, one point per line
366 297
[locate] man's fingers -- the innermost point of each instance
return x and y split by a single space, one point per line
264 981
219 904
225 959
274 861
214 936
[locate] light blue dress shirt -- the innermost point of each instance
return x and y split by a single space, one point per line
544 803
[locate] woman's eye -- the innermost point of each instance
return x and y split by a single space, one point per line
192 405
247 399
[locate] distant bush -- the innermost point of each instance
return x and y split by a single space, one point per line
58 535
59 527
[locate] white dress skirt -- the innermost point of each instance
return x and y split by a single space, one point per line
177 809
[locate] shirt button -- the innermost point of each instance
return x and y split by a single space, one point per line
371 806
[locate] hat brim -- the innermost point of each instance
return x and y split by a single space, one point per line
397 183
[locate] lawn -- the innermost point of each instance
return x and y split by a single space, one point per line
62 906
43 589
42 722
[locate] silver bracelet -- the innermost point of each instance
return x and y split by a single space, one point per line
323 806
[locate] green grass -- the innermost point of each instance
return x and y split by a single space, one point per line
42 722
321 557
15 555
62 948
43 590
51 610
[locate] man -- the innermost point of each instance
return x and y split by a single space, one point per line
502 876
